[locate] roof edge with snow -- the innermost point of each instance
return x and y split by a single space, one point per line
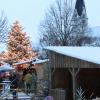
90 54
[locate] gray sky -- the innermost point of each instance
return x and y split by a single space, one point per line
31 12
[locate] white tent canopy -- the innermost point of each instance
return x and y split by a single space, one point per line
6 67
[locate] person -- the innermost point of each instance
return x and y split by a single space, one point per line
46 92
34 79
15 95
47 95
28 81
14 80
48 98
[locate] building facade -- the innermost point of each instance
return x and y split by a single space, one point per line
73 68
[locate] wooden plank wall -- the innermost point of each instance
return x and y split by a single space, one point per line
62 61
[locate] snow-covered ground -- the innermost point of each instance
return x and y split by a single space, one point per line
21 96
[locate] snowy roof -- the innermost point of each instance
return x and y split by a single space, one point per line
90 54
39 61
5 67
23 62
34 61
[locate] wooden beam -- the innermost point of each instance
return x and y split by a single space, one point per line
74 72
73 77
77 71
70 70
50 75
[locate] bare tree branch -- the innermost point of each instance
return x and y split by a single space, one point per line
3 28
58 28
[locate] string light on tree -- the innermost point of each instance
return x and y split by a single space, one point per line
19 46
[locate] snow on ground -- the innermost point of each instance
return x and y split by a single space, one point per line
90 54
21 96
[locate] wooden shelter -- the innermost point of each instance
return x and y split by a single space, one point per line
40 68
75 67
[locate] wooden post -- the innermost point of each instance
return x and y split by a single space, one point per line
74 72
74 89
49 73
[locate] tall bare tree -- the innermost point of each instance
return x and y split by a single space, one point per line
3 28
64 26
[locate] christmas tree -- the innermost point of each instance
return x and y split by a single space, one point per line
19 46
